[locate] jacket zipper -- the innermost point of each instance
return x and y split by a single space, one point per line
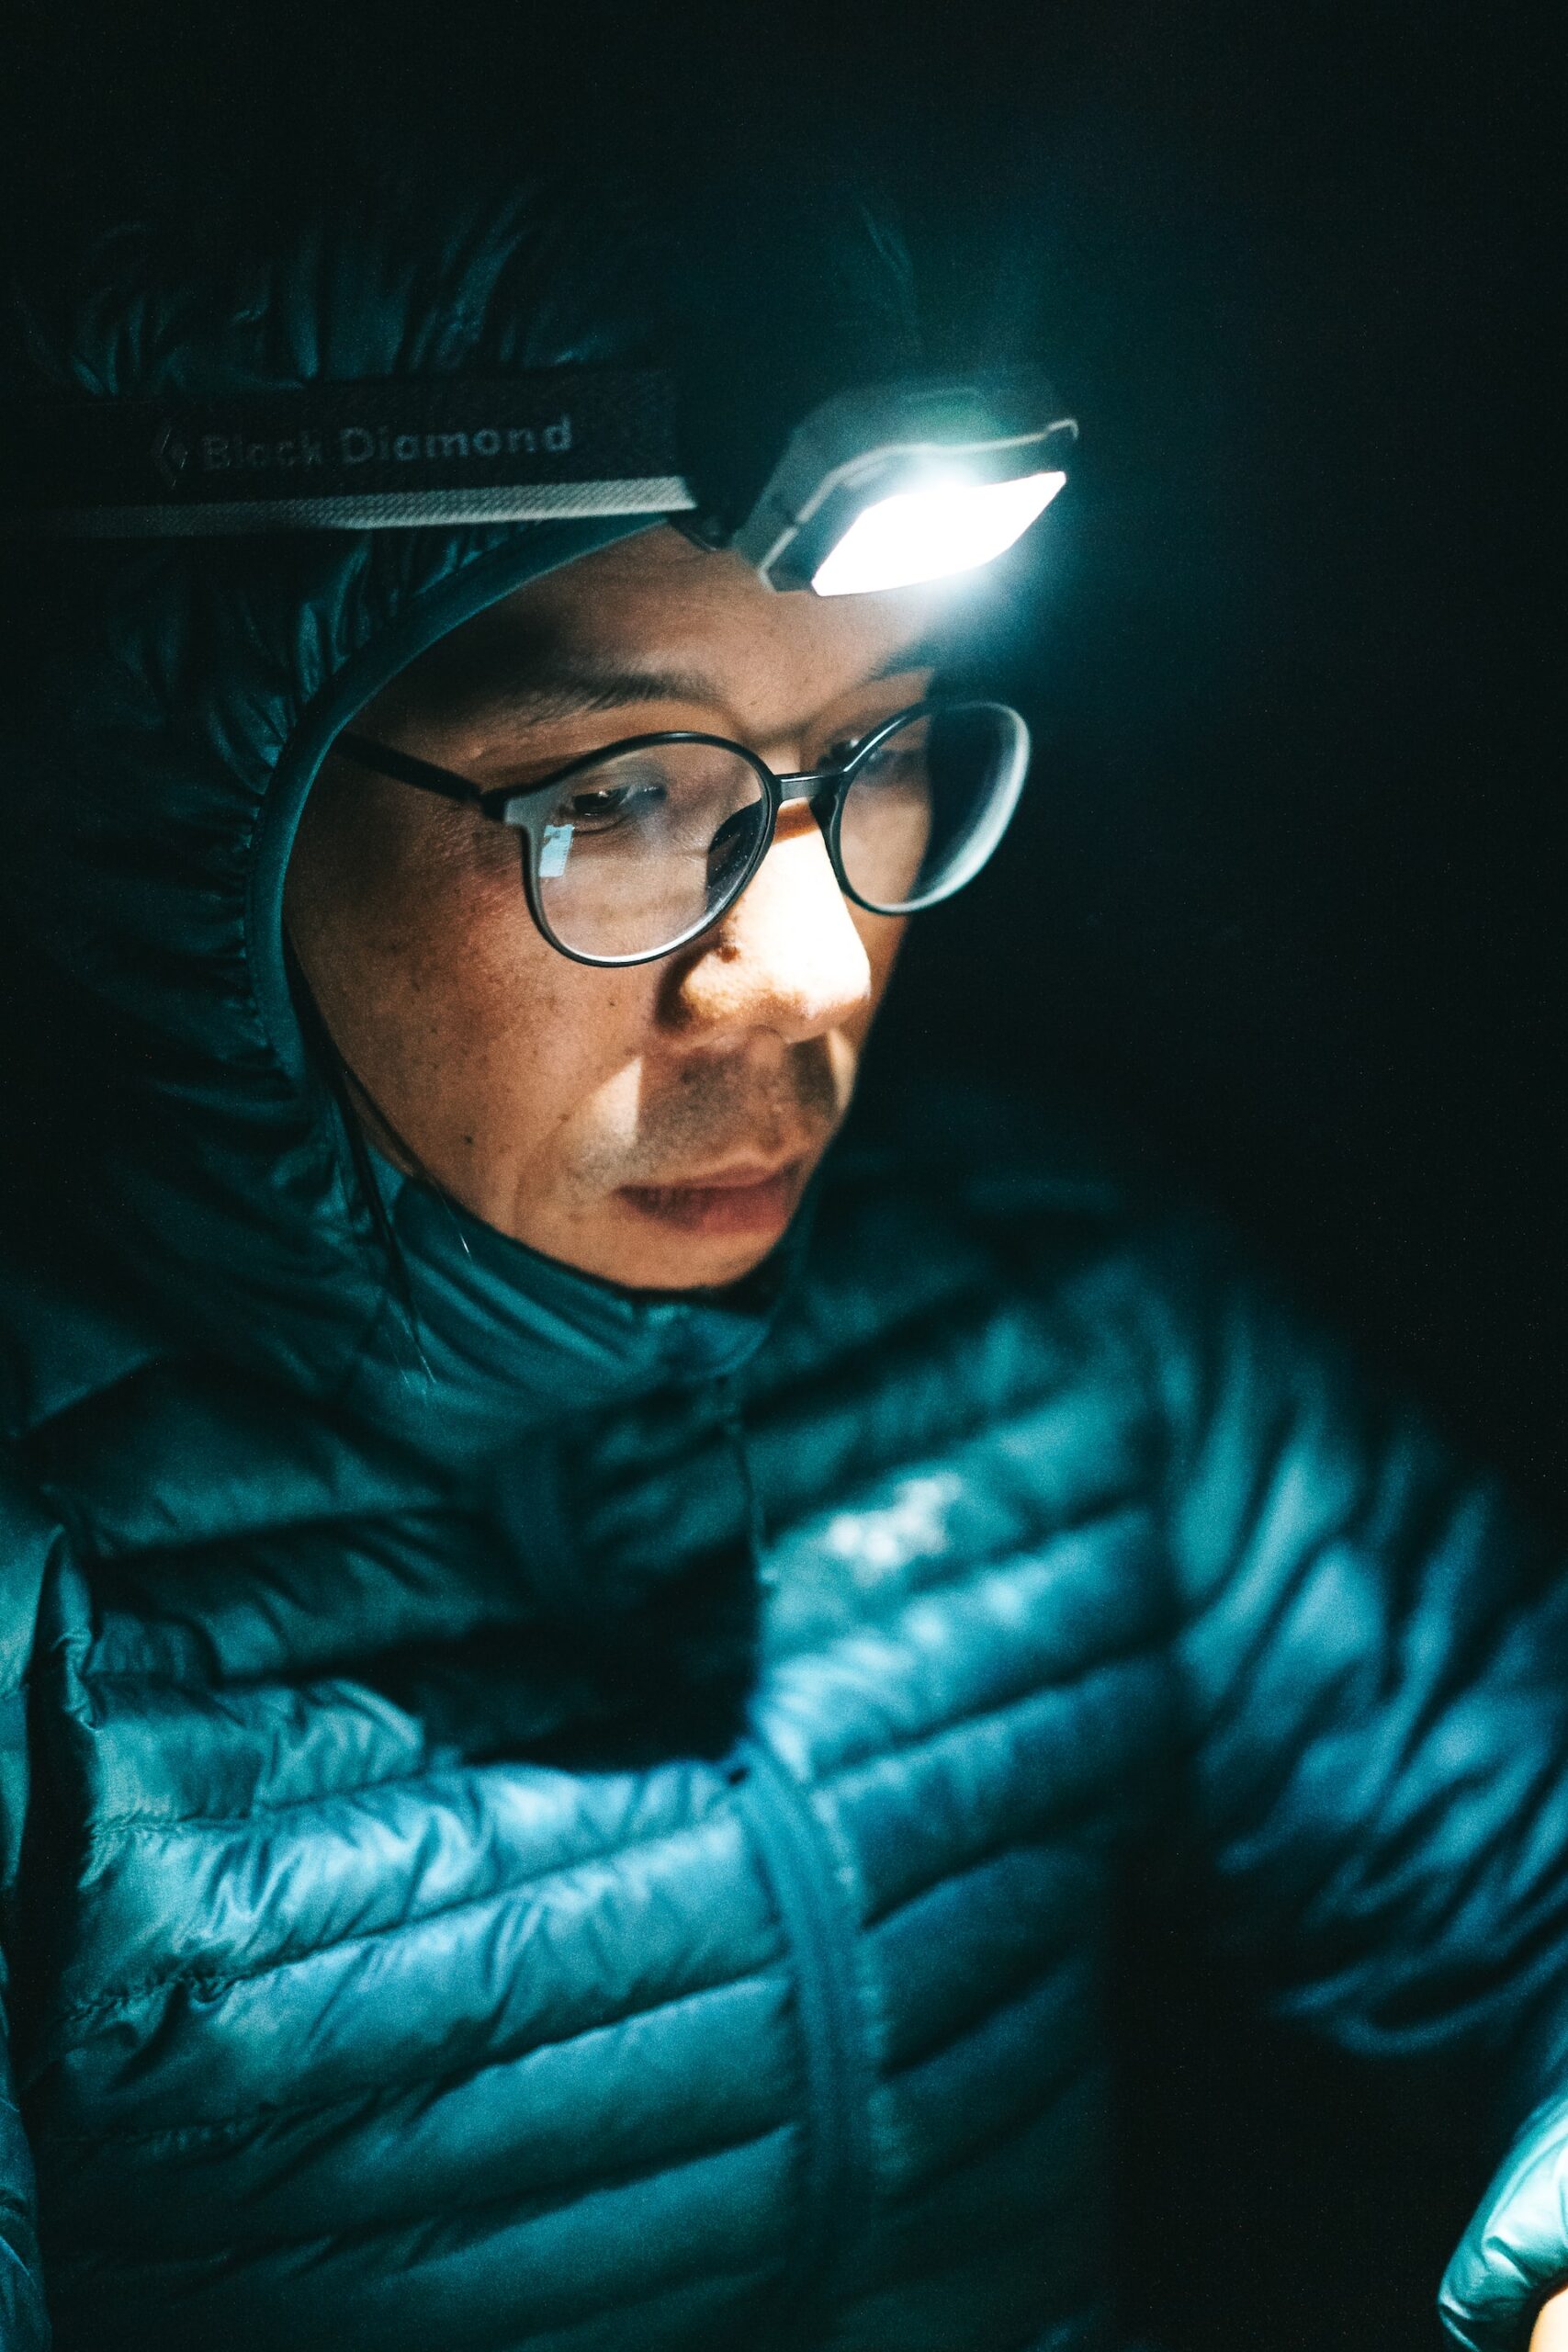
798 1865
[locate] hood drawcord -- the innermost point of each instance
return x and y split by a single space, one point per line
731 1420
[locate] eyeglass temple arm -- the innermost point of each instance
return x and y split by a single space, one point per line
403 768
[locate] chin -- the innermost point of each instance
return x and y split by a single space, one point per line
695 1266
644 1262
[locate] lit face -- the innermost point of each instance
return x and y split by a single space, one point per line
655 1125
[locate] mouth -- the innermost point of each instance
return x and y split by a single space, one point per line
741 1199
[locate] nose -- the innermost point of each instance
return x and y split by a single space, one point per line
787 957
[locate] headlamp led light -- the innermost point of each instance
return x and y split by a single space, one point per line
932 530
882 487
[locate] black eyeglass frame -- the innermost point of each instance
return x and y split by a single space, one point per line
825 790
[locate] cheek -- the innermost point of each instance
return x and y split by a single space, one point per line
484 1048
389 895
456 921
416 938
507 1047
434 906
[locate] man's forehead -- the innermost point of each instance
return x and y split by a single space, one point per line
659 594
688 628
567 679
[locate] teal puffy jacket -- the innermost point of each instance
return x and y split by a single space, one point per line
532 1817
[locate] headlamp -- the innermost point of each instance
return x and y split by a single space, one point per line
897 484
880 487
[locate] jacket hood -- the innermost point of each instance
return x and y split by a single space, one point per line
179 699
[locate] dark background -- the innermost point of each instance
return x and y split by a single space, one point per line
1286 895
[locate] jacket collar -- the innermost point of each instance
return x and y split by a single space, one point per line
484 1340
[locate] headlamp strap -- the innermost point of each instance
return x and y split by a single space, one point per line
551 444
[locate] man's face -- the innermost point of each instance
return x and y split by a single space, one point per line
656 1124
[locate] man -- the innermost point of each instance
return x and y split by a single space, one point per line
584 1673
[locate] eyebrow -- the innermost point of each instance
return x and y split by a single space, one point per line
561 683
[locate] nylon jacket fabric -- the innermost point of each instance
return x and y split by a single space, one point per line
605 1827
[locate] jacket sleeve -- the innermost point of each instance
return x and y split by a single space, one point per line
25 1544
1372 1670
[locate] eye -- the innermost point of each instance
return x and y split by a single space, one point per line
845 745
599 807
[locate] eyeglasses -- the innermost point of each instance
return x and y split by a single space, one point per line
632 851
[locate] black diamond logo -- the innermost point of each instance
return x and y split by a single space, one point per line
171 455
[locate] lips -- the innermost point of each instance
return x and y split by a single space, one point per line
754 1199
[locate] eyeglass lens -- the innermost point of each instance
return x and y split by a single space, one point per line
919 817
639 851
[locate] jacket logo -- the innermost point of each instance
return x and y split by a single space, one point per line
913 1525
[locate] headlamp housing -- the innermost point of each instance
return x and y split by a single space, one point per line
895 483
